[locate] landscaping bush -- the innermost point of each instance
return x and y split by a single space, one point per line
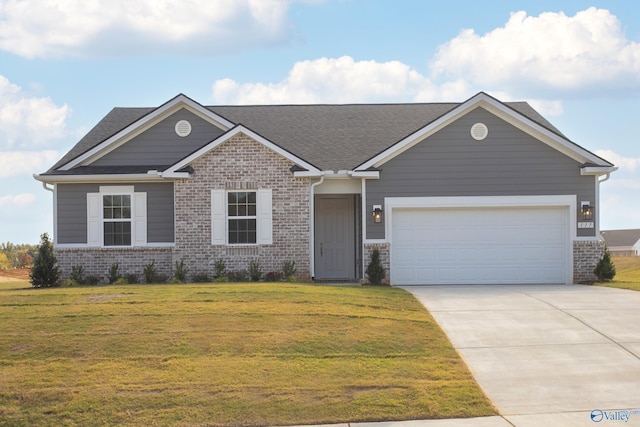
200 278
255 271
91 280
289 271
605 270
150 273
220 269
132 278
273 276
375 271
181 271
114 273
45 272
238 276
77 275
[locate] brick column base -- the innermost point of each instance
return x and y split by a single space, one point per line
586 254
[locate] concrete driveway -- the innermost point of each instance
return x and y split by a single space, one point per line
545 354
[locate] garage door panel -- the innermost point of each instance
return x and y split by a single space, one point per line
488 245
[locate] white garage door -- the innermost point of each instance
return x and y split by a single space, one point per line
480 246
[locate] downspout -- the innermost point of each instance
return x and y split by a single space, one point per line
312 228
363 202
599 181
55 210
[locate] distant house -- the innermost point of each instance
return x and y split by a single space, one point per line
478 192
623 242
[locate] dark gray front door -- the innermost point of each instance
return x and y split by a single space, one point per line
334 237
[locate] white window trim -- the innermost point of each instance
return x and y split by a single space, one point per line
96 220
220 217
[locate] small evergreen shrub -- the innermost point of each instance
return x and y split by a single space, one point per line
289 271
114 273
255 271
181 271
605 270
220 268
149 272
375 271
45 272
77 275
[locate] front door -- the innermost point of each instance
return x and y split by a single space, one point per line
335 237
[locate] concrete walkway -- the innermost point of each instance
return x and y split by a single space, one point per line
546 355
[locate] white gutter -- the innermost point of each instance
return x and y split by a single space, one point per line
131 177
312 230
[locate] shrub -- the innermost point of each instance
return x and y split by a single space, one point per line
273 276
70 283
289 270
77 275
114 273
181 271
255 272
121 281
605 269
238 276
45 272
220 268
200 278
375 271
150 273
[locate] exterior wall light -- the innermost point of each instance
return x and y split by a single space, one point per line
587 211
377 214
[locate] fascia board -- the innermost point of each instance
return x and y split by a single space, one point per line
146 122
307 174
500 110
366 174
248 132
131 177
597 170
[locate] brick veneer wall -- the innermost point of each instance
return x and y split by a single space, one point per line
586 254
97 261
385 259
242 164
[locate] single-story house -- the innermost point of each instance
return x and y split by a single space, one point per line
622 242
475 192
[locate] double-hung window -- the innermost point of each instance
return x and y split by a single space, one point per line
116 219
117 216
241 217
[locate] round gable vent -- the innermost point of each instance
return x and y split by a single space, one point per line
479 131
183 128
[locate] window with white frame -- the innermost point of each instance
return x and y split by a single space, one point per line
241 217
116 216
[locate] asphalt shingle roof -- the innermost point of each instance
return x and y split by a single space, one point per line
331 137
621 237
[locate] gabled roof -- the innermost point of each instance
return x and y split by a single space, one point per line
352 137
615 238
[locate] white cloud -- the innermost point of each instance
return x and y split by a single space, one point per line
44 28
340 80
27 120
16 201
551 50
625 164
25 163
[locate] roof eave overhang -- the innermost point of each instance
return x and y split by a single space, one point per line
597 170
99 178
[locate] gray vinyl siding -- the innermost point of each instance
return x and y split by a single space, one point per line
508 162
71 215
160 145
160 211
72 211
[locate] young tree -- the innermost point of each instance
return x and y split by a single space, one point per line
4 261
45 272
375 270
605 269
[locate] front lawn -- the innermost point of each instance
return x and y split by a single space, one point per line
627 273
225 355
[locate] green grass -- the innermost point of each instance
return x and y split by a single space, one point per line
225 355
627 273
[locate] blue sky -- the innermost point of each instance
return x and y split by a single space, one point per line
65 63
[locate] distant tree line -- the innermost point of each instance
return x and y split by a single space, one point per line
17 256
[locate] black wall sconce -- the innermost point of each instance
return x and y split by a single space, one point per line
377 214
587 211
